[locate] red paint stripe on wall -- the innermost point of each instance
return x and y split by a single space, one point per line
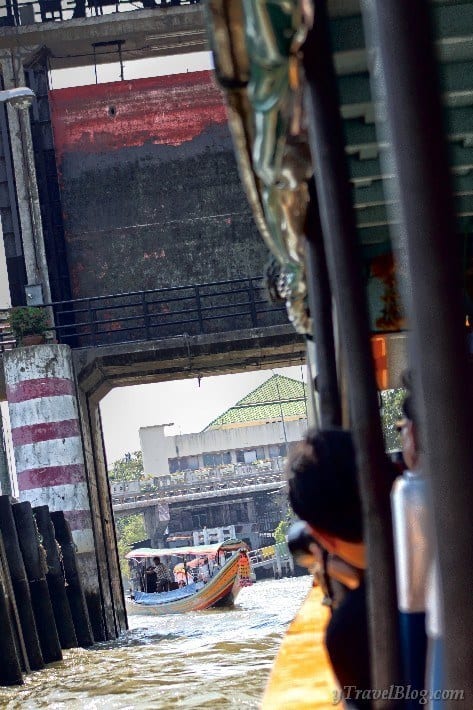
165 110
78 519
41 387
48 476
33 433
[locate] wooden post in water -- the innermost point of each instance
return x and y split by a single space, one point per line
20 584
10 666
75 593
36 572
13 610
56 579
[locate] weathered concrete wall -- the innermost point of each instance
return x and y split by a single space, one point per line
111 610
46 435
150 189
49 450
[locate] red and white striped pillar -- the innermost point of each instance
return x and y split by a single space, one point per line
46 435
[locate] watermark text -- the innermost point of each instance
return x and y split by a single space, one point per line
395 692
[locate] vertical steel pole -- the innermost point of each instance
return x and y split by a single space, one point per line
345 270
5 482
402 33
320 304
26 184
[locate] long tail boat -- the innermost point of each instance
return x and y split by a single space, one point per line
229 570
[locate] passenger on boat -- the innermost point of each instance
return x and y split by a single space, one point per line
215 568
323 490
164 576
416 562
150 580
136 575
204 571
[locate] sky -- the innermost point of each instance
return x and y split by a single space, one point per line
186 404
136 69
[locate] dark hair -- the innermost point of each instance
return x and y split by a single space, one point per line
323 484
408 408
157 560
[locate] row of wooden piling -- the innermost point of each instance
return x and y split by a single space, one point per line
42 604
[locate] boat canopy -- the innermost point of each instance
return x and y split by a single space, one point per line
227 546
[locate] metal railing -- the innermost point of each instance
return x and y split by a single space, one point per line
220 306
14 13
275 476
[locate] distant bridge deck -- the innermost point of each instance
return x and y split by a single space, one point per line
235 485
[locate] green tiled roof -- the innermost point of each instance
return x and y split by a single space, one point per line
265 403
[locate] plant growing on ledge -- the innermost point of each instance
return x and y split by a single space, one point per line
29 324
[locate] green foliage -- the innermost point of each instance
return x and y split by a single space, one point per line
28 320
281 530
129 468
391 412
130 529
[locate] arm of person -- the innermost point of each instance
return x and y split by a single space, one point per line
343 572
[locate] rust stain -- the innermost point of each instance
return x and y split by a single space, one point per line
168 110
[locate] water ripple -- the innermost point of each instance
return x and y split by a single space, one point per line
216 658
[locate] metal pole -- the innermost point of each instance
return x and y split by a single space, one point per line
345 271
25 177
35 207
320 304
5 481
280 410
403 34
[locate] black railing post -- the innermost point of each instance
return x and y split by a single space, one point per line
199 308
253 312
146 323
93 325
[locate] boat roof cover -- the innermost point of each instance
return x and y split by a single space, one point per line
229 545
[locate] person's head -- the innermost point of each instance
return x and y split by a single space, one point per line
407 428
156 560
323 484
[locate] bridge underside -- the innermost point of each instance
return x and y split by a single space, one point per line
101 369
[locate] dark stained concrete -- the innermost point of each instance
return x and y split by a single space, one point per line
98 370
149 185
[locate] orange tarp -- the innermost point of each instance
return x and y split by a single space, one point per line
301 678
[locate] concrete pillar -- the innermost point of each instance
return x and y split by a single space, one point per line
111 605
156 520
46 435
48 451
150 521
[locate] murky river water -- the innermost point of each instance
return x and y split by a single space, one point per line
212 659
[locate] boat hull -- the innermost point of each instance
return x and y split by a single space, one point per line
220 591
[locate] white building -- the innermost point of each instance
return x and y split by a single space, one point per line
259 427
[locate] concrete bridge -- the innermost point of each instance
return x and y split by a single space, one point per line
123 212
176 505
